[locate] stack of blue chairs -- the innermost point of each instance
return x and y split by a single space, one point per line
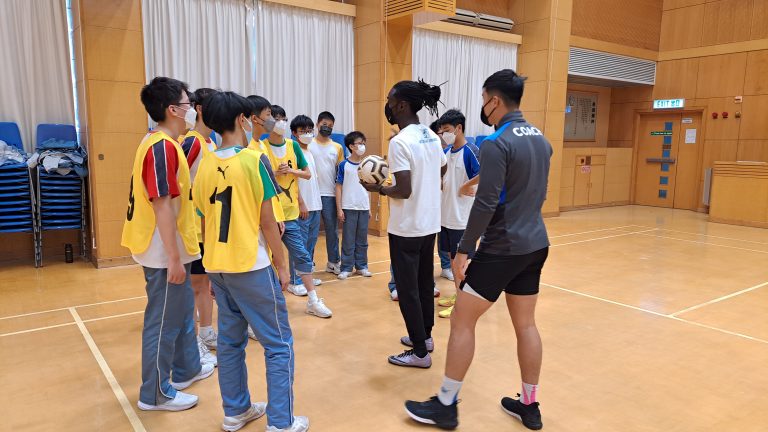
17 210
60 198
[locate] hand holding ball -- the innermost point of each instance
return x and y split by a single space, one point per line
373 170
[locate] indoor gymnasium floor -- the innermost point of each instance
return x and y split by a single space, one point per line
652 320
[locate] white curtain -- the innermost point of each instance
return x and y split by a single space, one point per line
305 61
464 62
205 43
35 79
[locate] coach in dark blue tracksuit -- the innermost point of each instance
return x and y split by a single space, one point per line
506 218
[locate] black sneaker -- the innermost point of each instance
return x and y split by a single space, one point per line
528 414
433 412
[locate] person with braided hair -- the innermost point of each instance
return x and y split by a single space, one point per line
415 160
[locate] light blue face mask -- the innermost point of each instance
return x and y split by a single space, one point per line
248 134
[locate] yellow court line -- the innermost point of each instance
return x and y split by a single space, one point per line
116 389
719 299
670 316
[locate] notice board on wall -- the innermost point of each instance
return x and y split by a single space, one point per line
580 116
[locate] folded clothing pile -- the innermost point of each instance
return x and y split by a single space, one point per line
10 154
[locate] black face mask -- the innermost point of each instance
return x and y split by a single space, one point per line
325 131
389 114
483 117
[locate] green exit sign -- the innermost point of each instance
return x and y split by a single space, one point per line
668 103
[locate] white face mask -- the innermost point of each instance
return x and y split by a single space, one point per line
360 150
190 118
306 138
281 127
449 138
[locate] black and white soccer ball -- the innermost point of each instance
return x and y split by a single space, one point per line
373 170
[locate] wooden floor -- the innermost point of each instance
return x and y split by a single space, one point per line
652 320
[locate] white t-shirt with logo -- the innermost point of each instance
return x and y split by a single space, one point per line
327 159
462 166
416 149
309 189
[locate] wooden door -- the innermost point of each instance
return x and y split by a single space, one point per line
657 147
581 182
687 175
596 184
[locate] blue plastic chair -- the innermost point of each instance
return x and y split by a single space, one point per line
63 132
9 132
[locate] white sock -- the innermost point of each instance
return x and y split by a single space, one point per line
206 331
449 391
312 296
530 393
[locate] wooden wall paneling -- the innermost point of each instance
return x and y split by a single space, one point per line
720 128
718 151
759 27
622 118
675 4
752 150
632 94
118 14
635 23
721 75
102 42
682 28
756 77
676 79
727 21
754 120
536 35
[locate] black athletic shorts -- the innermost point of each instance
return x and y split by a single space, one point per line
197 265
449 240
490 275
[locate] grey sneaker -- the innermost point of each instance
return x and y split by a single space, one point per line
300 424
235 423
405 340
410 359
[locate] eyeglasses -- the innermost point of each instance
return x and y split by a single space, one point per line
191 104
360 143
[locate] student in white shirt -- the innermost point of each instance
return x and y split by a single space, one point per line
328 155
310 205
462 166
415 159
354 209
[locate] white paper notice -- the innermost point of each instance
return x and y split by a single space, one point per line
690 136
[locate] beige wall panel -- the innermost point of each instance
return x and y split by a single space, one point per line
756 77
115 107
752 150
682 28
119 14
754 121
721 75
102 63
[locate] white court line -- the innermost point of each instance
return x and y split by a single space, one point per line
656 313
700 242
114 316
116 389
705 235
603 238
719 299
593 231
36 329
68 307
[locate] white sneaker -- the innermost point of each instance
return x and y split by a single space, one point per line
182 401
251 334
297 290
300 424
235 423
209 338
343 275
334 268
447 273
317 282
205 371
435 291
393 295
365 273
319 309
206 356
